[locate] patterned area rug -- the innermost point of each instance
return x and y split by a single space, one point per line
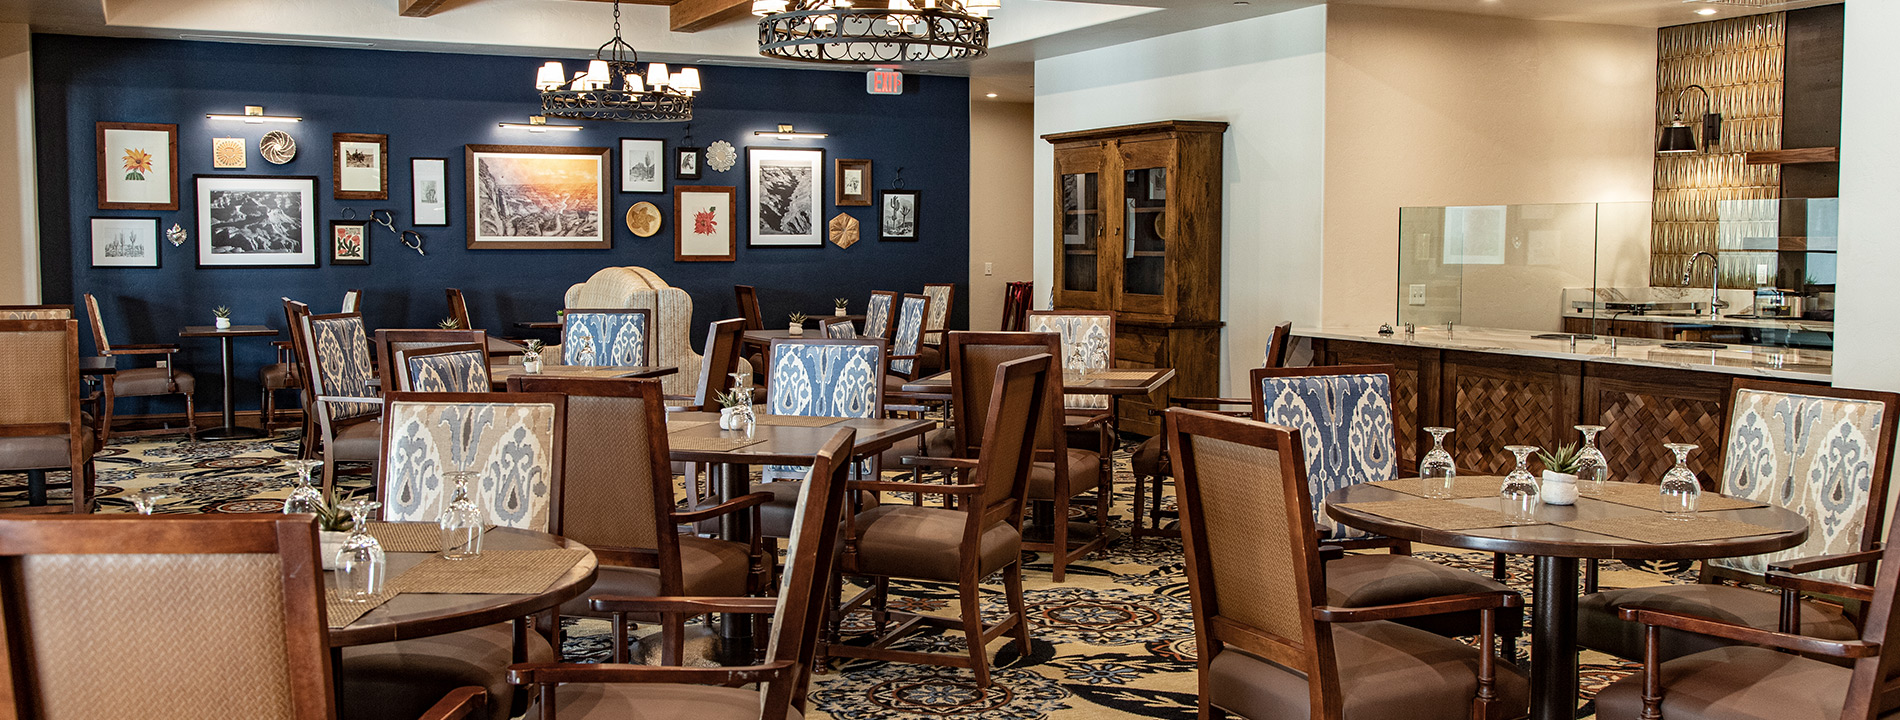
1114 641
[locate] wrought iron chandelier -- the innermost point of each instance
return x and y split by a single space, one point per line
907 31
649 94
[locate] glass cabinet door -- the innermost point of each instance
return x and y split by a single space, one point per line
1081 214
1144 231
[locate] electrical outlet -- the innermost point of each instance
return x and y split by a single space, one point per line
989 268
164 363
1417 295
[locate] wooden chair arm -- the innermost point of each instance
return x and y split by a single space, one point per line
1824 562
348 399
1092 422
925 461
551 673
1433 606
742 502
281 344
1791 583
684 605
907 487
144 349
1186 400
463 702
1654 619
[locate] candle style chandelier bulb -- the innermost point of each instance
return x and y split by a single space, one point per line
551 77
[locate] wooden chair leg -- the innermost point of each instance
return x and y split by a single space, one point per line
1013 585
672 639
106 403
191 418
1061 529
879 604
1500 568
968 597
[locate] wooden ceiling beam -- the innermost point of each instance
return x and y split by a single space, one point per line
697 15
420 8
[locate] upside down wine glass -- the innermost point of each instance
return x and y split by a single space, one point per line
1681 492
461 519
1520 492
1592 468
303 499
360 562
1437 470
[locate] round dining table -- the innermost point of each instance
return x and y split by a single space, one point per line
1556 550
414 615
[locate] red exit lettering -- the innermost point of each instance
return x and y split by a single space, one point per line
884 82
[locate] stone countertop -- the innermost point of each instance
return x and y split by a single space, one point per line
1791 324
1772 362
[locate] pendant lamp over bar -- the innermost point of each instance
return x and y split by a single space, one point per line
650 94
902 31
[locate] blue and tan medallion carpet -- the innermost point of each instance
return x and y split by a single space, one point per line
1114 641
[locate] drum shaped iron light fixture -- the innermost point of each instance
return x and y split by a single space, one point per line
1679 138
904 31
648 94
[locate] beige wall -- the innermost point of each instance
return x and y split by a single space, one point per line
1002 150
19 200
1429 108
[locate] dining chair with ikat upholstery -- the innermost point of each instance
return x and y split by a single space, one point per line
449 368
512 441
817 378
336 365
605 337
878 314
1088 345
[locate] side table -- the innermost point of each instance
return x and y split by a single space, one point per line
229 430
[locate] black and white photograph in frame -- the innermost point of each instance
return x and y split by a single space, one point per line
256 221
642 165
429 188
686 163
125 242
787 196
897 214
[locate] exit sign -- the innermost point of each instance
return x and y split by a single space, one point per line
884 82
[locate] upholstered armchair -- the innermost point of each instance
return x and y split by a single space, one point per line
879 315
1088 345
1819 451
942 300
837 328
605 337
1344 418
392 341
41 426
140 381
334 356
670 312
906 337
1271 640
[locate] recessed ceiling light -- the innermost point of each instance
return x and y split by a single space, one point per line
1705 11
989 95
1242 2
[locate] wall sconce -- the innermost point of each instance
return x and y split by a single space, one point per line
1678 138
785 132
539 124
254 114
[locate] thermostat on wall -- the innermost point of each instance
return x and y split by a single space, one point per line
884 82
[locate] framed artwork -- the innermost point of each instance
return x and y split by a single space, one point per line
702 223
853 182
262 221
125 242
897 215
349 242
429 191
787 196
686 163
361 162
528 197
227 153
640 169
138 166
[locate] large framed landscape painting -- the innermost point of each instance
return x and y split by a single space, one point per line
256 221
523 197
787 196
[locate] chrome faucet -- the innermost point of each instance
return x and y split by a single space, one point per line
1715 281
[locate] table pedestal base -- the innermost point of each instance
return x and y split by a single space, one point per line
1554 639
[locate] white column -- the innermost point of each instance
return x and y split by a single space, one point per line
19 196
1867 329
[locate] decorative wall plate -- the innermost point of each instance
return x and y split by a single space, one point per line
277 147
176 234
844 230
227 153
721 156
643 219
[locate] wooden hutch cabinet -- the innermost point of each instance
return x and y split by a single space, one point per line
1138 226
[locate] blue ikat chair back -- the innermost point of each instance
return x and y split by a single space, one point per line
604 337
877 316
824 379
1345 424
462 370
909 332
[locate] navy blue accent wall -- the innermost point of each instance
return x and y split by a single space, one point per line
430 105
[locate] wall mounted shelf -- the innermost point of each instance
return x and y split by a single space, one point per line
1793 156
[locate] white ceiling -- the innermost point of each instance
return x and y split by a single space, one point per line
1024 31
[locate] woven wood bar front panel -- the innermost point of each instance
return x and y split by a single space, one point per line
1640 415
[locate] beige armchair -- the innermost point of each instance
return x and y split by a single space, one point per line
670 307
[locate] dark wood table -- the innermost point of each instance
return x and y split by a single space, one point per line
498 373
1556 550
1113 383
539 324
229 430
781 445
98 365
414 615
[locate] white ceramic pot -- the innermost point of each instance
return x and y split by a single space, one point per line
796 329
223 323
1559 488
838 312
328 543
531 364
729 418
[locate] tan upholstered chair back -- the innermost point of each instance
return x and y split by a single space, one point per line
972 358
942 301
1088 344
672 318
1017 399
802 596
1253 566
36 312
617 495
185 616
513 440
39 377
99 339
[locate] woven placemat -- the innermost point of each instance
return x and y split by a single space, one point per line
494 572
1462 486
343 612
1649 497
1435 514
710 443
407 536
798 420
1112 374
1659 528
673 426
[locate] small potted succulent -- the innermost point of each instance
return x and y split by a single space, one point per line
531 357
449 323
1560 474
838 306
733 405
222 315
333 525
797 328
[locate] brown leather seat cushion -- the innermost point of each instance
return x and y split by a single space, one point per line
1384 579
1146 460
708 568
139 382
360 442
402 679
1085 469
1598 627
895 383
926 543
929 360
1386 671
1732 683
46 452
277 376
940 442
658 702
